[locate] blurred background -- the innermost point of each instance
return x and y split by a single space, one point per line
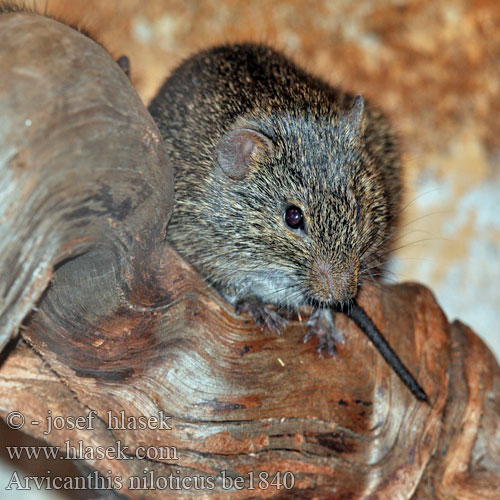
432 65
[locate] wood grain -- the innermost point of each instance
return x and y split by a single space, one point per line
126 325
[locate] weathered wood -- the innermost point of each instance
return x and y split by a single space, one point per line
82 168
127 325
244 400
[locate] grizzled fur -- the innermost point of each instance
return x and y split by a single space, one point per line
344 177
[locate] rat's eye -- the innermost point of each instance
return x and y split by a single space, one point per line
294 218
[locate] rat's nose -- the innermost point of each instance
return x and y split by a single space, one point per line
334 283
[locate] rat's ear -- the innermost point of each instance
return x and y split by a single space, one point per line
355 114
235 150
124 63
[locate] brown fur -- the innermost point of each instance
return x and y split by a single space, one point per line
345 179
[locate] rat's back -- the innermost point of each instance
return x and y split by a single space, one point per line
211 89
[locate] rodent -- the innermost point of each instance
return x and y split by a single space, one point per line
287 189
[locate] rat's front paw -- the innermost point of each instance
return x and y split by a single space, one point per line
262 315
322 324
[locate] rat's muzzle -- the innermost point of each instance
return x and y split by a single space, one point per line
331 283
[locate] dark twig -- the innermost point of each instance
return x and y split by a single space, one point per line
363 321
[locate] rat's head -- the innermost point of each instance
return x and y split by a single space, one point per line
297 209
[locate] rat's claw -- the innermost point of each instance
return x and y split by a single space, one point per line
321 324
262 315
326 343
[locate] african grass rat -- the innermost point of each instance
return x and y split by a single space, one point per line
287 190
